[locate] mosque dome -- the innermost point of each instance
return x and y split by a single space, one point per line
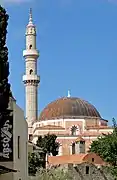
69 107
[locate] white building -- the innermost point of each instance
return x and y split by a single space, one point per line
14 134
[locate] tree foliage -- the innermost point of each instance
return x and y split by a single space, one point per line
36 161
4 65
106 146
48 144
53 174
33 163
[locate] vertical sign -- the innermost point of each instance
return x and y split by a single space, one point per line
6 139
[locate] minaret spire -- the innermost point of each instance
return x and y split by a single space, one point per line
30 16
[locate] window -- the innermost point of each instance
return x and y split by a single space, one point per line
74 131
73 148
92 159
81 142
18 147
31 71
31 30
30 47
30 137
87 169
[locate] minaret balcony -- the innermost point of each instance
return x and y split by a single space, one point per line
27 78
31 53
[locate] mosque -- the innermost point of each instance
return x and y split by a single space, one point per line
72 119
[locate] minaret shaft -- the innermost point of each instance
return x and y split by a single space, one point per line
31 103
31 79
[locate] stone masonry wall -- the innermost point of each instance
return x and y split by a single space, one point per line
86 171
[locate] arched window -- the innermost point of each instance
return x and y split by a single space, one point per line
31 71
31 30
30 47
74 131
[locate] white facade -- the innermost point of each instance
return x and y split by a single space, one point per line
20 147
63 128
31 79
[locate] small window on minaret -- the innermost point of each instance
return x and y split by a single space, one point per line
31 30
31 71
30 47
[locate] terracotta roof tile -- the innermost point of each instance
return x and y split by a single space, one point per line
76 159
79 139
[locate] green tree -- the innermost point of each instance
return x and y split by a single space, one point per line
106 146
4 65
54 174
48 144
37 159
35 162
32 164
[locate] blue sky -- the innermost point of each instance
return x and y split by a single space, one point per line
77 40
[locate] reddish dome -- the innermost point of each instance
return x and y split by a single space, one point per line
68 107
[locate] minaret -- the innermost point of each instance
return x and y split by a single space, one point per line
31 79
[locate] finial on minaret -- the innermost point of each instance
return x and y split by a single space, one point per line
30 16
68 95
